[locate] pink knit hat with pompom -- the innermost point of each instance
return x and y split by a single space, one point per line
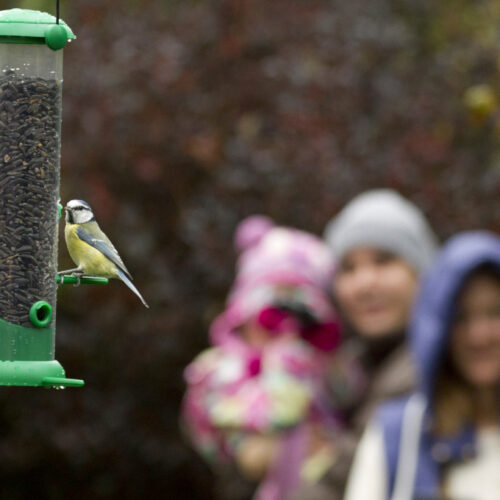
250 231
276 264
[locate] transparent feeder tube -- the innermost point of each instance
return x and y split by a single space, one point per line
30 125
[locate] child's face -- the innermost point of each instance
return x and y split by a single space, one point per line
258 333
258 336
475 335
254 334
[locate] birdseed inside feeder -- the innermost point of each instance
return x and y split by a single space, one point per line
31 63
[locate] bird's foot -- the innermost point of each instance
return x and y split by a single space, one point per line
77 275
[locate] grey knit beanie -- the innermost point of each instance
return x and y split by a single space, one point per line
383 219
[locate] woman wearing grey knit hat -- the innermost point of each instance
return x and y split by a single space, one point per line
381 242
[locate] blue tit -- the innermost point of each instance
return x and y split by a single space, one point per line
90 249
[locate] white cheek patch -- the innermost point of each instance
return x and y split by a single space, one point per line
82 216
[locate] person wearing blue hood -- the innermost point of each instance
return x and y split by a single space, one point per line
443 441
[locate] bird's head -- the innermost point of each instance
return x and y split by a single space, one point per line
78 212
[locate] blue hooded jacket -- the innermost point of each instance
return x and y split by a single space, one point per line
432 316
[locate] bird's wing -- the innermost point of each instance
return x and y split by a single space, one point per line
101 242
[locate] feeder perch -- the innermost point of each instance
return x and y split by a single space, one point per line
69 279
31 63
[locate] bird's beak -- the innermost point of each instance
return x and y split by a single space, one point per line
68 217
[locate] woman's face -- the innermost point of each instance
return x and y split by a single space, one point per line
475 336
375 291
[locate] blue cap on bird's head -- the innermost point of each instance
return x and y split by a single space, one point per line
78 212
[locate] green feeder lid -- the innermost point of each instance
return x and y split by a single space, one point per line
33 27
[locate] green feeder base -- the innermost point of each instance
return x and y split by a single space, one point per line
36 373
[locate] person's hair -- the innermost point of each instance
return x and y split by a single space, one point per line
453 407
453 396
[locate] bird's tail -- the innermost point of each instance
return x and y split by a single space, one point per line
127 281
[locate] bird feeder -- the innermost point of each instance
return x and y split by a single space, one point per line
31 63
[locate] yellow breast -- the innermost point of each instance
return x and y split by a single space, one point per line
93 262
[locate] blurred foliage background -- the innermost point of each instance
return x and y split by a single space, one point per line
182 117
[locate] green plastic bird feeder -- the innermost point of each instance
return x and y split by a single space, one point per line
30 129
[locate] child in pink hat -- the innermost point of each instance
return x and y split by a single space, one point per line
263 379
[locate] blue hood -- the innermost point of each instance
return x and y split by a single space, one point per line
436 304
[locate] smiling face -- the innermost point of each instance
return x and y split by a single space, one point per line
475 334
375 290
